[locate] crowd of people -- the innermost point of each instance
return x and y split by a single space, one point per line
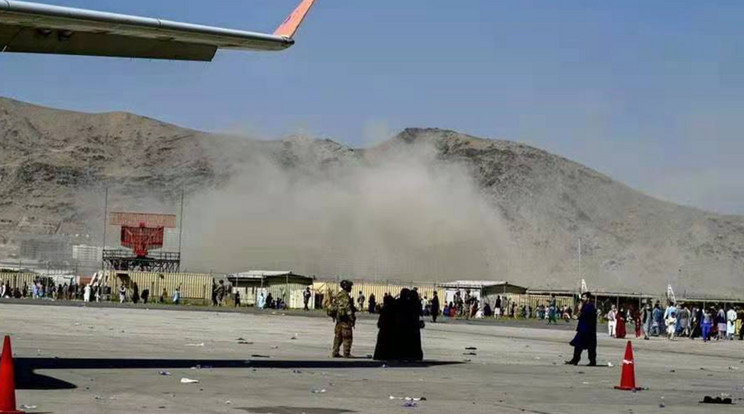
45 289
684 321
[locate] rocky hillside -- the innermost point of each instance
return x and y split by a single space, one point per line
53 165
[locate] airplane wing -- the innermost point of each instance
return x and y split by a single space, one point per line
27 27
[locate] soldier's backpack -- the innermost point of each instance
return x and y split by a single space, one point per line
329 303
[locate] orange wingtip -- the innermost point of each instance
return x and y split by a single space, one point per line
294 20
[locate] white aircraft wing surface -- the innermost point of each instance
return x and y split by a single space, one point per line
27 27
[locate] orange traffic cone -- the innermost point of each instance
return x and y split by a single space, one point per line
627 379
7 381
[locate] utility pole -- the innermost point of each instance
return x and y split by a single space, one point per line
105 223
580 275
180 226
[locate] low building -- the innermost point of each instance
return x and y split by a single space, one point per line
486 291
281 284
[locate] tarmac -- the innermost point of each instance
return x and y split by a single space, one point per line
74 359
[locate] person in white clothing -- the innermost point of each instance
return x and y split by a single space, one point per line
730 323
612 321
86 293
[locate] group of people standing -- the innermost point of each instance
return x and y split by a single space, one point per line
677 321
400 323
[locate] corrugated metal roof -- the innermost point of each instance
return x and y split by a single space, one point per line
476 284
263 274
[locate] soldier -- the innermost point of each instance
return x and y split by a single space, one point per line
345 320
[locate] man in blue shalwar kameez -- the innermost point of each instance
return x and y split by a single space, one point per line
586 332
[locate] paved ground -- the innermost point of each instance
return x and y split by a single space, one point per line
107 360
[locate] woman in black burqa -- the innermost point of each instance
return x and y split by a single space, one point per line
412 317
386 347
399 338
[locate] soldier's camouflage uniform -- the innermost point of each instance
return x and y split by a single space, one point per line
345 321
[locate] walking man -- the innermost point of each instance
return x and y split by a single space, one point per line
586 332
344 315
647 320
360 301
434 307
551 311
306 297
612 321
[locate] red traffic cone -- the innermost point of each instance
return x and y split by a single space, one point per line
7 380
627 379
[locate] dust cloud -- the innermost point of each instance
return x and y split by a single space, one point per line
398 215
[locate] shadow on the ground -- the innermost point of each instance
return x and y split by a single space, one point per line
28 379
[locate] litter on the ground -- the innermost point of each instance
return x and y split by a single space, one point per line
471 348
319 391
201 344
410 404
164 373
27 407
610 364
392 397
716 400
189 381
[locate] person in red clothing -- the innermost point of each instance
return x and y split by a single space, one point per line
620 328
637 322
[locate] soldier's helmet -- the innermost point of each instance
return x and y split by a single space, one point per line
346 285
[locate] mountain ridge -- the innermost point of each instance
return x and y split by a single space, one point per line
49 157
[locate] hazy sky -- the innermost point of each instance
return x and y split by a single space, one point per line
651 93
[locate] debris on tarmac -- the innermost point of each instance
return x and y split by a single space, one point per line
392 397
196 345
410 404
322 391
469 353
609 364
164 373
27 407
717 400
259 356
471 348
189 381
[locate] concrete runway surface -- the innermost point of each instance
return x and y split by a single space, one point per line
108 360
